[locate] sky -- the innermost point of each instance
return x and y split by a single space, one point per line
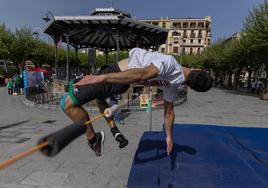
227 15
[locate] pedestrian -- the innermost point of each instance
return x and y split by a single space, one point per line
148 68
10 86
117 116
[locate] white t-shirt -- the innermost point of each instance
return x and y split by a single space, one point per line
170 74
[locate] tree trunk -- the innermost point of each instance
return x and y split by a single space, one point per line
266 82
217 79
17 67
237 76
5 65
229 85
222 83
249 78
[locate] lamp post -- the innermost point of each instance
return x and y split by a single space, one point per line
47 18
67 58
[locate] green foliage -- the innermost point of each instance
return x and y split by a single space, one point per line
6 39
250 50
2 71
190 61
111 58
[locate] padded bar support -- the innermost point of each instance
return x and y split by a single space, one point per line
58 140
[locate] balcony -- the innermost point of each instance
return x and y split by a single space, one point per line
192 35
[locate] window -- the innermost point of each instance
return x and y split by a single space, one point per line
201 25
184 34
164 24
175 33
199 34
175 42
192 41
175 49
192 25
199 41
192 34
191 50
177 25
209 42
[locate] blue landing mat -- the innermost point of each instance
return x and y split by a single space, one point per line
204 156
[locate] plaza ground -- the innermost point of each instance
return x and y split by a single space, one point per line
77 166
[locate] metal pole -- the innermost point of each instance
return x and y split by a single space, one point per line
106 57
76 59
67 59
117 47
56 59
151 110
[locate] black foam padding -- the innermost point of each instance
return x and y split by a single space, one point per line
58 140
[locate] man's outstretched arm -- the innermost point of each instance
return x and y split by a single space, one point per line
169 120
124 77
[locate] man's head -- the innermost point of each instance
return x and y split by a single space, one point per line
199 80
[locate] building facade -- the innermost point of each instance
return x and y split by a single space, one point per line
186 35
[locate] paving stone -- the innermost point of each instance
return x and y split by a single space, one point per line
2 185
117 182
12 176
77 167
82 180
45 165
43 178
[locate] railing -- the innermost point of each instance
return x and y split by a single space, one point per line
46 96
43 95
62 75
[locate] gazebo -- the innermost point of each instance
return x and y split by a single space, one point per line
105 29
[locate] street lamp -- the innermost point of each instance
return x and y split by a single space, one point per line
36 32
48 16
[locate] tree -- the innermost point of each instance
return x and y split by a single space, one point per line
6 39
22 47
256 28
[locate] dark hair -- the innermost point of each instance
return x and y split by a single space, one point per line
199 80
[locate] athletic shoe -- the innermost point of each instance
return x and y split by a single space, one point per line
123 142
97 147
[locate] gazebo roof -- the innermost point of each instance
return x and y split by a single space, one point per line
102 28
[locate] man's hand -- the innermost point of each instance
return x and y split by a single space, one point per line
169 120
90 79
169 145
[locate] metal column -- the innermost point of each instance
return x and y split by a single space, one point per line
151 110
56 58
67 59
117 47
